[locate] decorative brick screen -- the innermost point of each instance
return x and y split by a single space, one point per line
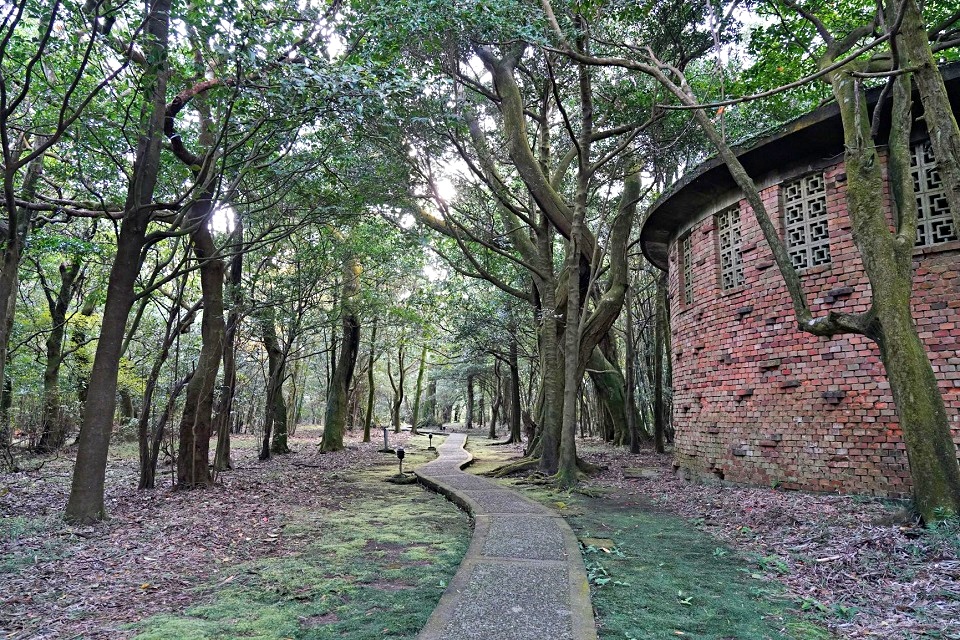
805 220
729 241
686 252
933 224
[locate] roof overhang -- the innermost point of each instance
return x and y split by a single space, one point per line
813 137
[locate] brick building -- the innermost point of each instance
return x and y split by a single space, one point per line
755 400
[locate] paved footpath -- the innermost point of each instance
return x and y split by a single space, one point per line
523 575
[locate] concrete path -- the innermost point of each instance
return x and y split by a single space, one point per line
523 575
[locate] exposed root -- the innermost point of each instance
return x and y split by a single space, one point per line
537 478
589 468
524 464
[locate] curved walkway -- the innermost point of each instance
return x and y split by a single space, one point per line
523 575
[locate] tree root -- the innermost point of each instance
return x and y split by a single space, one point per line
589 468
524 464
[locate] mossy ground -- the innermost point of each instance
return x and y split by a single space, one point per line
663 578
374 568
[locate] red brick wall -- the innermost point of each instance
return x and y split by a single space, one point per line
757 401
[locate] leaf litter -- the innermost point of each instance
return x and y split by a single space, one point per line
861 566
158 547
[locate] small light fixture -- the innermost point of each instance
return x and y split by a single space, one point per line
430 440
400 454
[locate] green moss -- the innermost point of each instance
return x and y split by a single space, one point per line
374 569
14 527
664 576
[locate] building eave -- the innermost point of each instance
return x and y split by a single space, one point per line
817 135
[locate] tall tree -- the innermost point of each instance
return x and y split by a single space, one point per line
86 494
336 418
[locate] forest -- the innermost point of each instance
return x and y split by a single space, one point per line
245 244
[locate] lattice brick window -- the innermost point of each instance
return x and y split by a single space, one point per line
728 238
686 255
805 220
934 224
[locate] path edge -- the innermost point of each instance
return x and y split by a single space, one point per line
583 619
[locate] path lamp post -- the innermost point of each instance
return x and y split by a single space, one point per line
400 454
430 440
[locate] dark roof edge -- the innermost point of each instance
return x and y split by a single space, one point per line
663 217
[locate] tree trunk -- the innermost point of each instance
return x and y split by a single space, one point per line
86 493
515 408
281 419
368 417
274 412
497 402
18 227
196 423
888 263
419 390
937 112
337 406
567 464
78 339
470 400
552 376
150 439
430 410
659 401
53 431
631 375
222 459
148 465
611 392
397 385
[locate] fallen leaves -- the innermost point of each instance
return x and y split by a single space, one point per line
157 546
872 572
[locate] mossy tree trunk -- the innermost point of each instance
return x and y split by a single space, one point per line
53 430
887 260
660 350
418 392
938 114
335 422
611 394
368 416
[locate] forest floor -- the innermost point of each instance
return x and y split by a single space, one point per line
857 567
302 545
318 546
